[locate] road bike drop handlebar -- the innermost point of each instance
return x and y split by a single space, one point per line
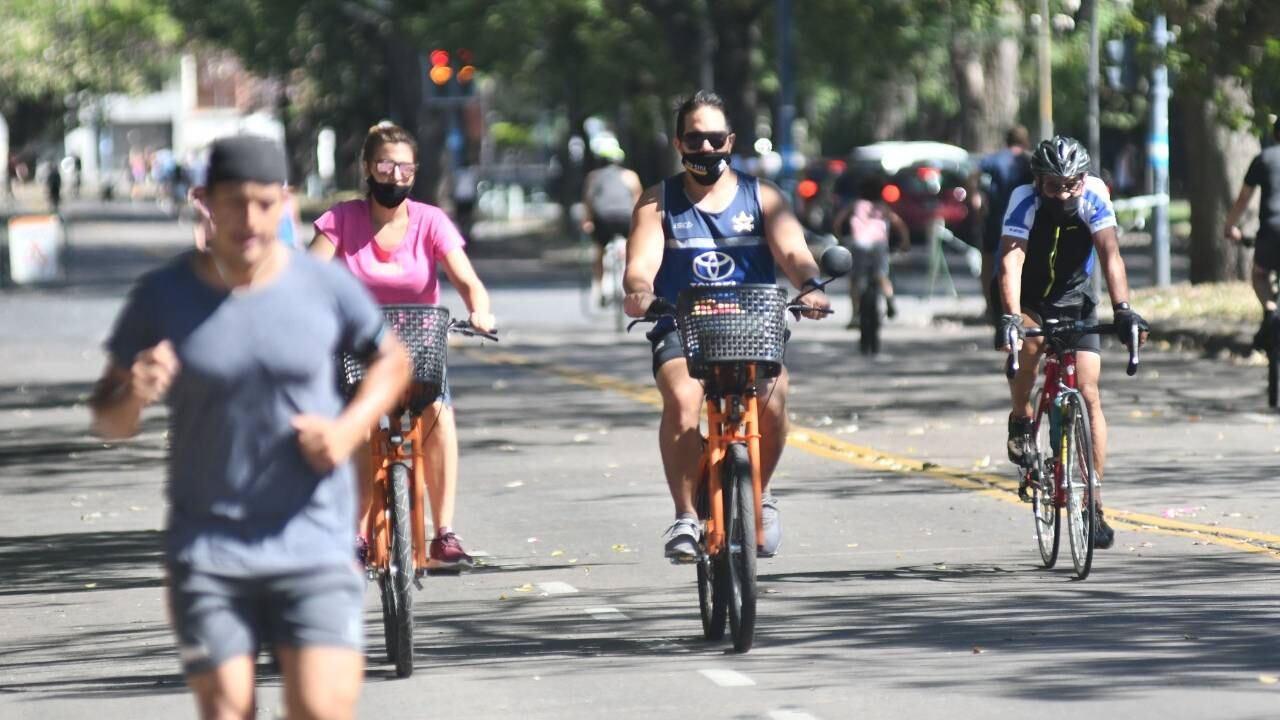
836 261
1075 328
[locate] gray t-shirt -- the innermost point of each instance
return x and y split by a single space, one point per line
242 499
1264 172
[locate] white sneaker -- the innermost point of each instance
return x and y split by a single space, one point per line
682 540
772 523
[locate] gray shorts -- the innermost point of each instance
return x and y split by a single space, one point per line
217 618
873 260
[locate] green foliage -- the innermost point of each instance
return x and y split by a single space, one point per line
52 47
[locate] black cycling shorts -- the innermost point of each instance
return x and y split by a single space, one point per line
606 230
1086 311
1266 251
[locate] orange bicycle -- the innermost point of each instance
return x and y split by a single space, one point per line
734 337
396 522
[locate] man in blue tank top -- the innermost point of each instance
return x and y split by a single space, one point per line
710 225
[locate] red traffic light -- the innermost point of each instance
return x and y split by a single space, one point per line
891 193
439 58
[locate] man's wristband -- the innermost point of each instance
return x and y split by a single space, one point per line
1121 306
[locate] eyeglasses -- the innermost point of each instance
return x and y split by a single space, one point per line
1059 185
694 139
387 167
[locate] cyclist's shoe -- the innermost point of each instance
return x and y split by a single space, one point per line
682 539
1262 338
1019 440
890 308
446 554
772 523
1103 536
1024 488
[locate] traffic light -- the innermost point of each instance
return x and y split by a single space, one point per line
440 72
467 71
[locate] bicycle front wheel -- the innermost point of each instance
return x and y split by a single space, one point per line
713 589
1041 480
397 585
740 518
1079 477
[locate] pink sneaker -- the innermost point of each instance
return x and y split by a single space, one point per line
446 553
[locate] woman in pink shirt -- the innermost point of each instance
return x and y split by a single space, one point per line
393 244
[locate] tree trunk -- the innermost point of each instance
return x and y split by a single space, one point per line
1216 165
985 69
895 107
737 37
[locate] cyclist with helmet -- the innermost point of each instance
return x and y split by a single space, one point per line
1054 231
609 194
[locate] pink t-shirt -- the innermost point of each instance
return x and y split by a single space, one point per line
406 275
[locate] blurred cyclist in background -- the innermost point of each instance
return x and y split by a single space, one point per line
609 194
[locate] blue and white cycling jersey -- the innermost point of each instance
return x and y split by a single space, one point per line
1060 256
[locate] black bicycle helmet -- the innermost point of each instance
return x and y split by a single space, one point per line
1060 156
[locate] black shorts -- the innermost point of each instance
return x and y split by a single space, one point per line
1266 250
1086 311
667 346
606 230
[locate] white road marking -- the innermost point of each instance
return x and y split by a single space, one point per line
607 614
790 715
726 678
557 588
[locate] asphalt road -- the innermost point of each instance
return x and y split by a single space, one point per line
908 585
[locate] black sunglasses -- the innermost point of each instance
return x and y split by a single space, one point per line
694 139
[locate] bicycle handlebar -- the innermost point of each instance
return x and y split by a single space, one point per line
1074 328
464 327
662 308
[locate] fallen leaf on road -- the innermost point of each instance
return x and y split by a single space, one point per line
978 649
90 517
852 545
527 587
572 560
581 437
984 461
620 547
1268 679
514 484
91 586
557 553
503 596
136 508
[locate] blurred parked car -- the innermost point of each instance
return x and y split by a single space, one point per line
923 181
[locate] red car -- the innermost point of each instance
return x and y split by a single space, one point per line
924 181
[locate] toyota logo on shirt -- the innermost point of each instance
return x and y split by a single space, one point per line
713 266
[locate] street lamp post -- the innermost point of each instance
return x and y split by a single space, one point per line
1046 74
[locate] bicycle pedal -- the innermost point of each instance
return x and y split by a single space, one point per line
684 559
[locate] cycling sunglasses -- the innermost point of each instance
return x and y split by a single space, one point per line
386 167
694 139
1059 185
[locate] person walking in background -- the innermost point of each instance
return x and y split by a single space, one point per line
240 342
1264 172
1003 171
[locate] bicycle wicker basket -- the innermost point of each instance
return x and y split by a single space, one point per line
424 330
731 324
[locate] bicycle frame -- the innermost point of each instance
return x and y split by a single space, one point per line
399 437
1059 384
731 418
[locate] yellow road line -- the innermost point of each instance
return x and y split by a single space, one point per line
988 484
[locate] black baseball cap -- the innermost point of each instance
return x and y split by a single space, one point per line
246 158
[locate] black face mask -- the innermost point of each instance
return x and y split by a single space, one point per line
1061 211
705 167
388 195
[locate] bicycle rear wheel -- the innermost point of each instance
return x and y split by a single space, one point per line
1044 506
713 592
869 319
740 518
1078 477
397 584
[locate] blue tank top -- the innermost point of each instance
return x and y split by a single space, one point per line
704 248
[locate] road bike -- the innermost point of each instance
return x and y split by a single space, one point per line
607 297
1058 471
734 337
395 526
